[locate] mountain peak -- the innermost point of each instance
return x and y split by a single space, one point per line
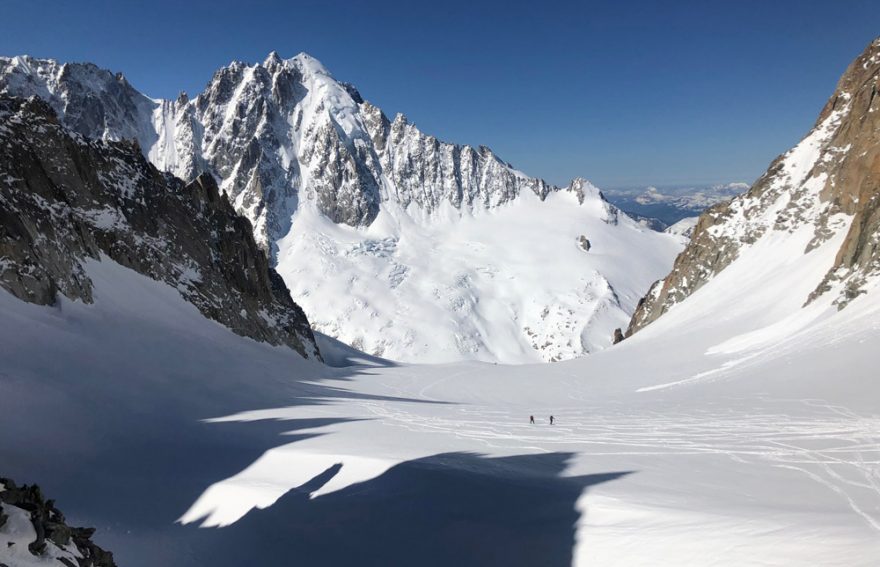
27 63
308 65
272 59
584 189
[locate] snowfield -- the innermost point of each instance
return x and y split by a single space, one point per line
713 437
528 281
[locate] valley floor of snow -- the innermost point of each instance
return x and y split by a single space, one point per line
703 440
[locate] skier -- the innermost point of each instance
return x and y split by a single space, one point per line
551 420
532 419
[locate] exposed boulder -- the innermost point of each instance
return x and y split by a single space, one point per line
584 243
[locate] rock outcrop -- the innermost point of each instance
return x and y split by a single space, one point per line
584 243
65 198
829 183
53 540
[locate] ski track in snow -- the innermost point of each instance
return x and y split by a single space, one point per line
840 450
832 446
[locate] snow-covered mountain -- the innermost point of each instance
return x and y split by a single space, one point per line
666 448
815 211
407 246
66 200
684 227
692 198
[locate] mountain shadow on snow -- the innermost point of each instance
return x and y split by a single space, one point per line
458 509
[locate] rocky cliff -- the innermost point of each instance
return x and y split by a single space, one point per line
65 199
829 184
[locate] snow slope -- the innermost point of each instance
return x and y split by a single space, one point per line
820 195
684 227
741 427
390 224
753 431
724 437
512 284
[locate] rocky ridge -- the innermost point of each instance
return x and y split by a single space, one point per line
828 184
66 199
276 134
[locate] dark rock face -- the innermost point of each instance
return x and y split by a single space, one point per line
65 199
832 177
853 185
618 336
51 527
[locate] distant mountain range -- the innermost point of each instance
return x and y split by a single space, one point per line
670 204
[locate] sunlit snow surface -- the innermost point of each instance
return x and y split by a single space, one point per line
510 284
715 436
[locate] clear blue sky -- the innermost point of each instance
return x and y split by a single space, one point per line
624 93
